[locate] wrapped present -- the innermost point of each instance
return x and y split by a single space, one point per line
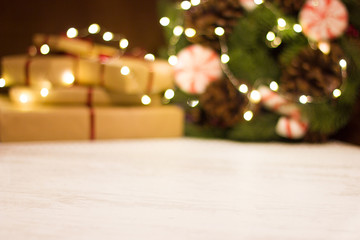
82 95
124 75
74 46
43 123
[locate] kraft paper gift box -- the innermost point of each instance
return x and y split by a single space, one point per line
78 95
46 123
140 77
74 46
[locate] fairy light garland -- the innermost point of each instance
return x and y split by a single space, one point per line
273 39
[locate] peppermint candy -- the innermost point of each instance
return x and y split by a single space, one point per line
197 66
323 20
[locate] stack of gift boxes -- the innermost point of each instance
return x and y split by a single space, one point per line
73 89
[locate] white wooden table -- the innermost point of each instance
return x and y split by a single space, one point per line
179 189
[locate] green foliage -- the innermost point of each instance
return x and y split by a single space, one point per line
254 61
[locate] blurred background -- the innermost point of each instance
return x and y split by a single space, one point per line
137 20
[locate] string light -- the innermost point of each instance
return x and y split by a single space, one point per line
258 2
297 28
149 57
190 32
324 47
169 94
178 30
173 60
225 58
274 86
185 5
193 102
195 2
108 36
255 96
68 78
243 88
94 28
270 36
72 33
303 99
248 115
337 93
124 43
44 49
281 24
277 41
145 99
125 70
24 98
2 82
164 21
219 31
44 92
343 63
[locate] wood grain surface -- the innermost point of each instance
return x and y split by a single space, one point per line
179 189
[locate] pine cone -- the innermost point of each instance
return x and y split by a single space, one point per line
292 7
208 15
313 73
222 104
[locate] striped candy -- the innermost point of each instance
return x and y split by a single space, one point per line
323 20
197 66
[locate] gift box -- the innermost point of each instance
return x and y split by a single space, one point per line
43 123
122 75
74 46
82 95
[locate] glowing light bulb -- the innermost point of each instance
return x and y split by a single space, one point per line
68 78
324 47
258 2
94 28
44 49
270 36
190 32
164 21
44 92
24 98
219 31
343 63
185 5
243 88
277 41
248 115
2 82
173 60
274 86
303 99
169 94
149 57
125 70
178 30
337 93
225 58
297 28
72 33
195 2
108 36
124 43
281 23
255 96
193 102
145 99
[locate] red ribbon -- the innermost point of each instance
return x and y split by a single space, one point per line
89 103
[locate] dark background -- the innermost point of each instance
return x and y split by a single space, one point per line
136 19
